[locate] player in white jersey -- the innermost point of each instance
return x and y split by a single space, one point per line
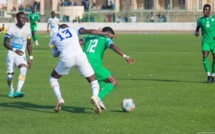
65 44
53 24
17 39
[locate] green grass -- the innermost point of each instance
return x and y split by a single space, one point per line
167 83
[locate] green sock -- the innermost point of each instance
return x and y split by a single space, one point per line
213 67
105 90
206 64
34 37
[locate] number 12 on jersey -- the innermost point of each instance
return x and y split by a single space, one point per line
92 45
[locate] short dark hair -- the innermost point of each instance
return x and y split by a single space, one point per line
207 5
105 29
63 26
19 13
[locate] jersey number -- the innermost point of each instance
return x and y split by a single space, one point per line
93 44
64 35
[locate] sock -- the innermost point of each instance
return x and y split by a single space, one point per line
21 79
95 88
10 82
213 68
34 37
105 90
206 64
55 87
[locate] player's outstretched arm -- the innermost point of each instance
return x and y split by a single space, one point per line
96 32
118 51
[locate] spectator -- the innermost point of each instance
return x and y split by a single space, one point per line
70 3
133 18
75 4
93 5
159 17
35 5
126 18
21 8
103 7
151 17
61 3
119 19
164 18
27 8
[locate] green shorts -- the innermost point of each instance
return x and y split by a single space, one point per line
101 73
33 28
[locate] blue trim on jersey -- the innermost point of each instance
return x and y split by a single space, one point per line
108 42
80 30
7 35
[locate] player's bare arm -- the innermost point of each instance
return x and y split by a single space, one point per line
8 46
197 31
118 51
48 28
81 42
29 49
96 32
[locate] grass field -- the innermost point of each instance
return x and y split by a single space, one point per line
167 83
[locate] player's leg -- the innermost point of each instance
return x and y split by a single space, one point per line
10 67
84 68
34 36
56 90
213 64
106 82
60 70
206 63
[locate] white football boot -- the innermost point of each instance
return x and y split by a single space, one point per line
59 104
95 101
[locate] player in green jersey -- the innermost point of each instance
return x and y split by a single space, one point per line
34 18
207 25
94 47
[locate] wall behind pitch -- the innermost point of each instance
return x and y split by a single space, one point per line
138 27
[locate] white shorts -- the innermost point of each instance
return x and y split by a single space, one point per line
80 62
53 30
13 60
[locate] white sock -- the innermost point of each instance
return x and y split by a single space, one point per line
55 87
36 42
21 79
10 82
208 73
95 88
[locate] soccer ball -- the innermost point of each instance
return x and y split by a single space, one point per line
127 105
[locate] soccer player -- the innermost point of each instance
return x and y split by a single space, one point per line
34 18
65 44
53 24
207 25
17 38
94 47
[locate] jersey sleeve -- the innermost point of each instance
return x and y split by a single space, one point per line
198 22
8 32
108 42
78 30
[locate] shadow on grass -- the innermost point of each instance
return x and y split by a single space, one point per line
44 108
160 80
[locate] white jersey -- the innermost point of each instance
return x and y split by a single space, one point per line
67 42
53 25
18 37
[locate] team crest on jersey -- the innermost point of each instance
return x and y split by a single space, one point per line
212 19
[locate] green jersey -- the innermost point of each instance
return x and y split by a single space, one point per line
33 17
94 47
207 26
